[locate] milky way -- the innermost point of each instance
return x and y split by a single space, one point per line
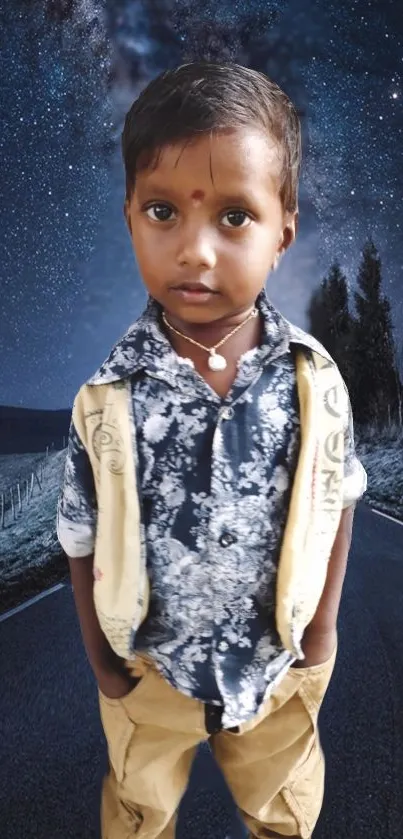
69 281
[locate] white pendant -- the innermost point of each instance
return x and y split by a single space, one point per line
216 362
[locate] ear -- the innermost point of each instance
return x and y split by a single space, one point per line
126 212
289 233
290 229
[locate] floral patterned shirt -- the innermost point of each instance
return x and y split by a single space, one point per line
215 482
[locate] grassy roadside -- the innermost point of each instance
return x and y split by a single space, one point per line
32 560
18 588
381 454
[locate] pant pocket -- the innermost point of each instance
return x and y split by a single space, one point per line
304 791
118 729
313 683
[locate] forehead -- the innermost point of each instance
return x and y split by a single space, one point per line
235 158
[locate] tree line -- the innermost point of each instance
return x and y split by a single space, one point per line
362 344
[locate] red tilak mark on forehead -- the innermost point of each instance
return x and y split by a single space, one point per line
197 195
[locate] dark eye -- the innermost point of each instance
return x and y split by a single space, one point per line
162 211
237 217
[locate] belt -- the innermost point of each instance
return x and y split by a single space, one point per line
212 719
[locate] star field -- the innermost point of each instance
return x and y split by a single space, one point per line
69 281
353 175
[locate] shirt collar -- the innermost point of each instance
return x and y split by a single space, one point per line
145 344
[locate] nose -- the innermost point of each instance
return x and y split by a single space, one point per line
197 248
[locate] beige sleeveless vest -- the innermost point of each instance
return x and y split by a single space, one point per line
103 416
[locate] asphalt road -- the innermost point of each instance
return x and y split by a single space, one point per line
52 751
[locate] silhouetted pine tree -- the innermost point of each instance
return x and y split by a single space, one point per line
330 319
318 312
374 379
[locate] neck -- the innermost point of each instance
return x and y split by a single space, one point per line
213 331
243 334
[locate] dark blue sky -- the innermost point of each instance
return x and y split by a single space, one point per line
70 71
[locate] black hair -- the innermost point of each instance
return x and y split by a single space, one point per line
200 97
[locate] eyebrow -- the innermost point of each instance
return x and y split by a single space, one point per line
234 198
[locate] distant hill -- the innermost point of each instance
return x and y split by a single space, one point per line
25 430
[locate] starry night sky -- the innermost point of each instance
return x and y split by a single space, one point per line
70 71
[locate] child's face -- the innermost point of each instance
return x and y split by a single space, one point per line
210 213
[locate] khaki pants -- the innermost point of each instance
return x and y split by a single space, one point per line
274 766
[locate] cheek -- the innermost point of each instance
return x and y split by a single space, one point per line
252 251
148 247
152 259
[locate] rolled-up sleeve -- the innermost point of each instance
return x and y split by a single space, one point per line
355 476
77 503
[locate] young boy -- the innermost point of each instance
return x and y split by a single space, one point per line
183 493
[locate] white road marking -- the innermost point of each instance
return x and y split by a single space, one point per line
63 585
378 513
31 601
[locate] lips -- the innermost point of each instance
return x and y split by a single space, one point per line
194 293
195 287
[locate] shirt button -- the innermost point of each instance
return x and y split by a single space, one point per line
227 539
227 413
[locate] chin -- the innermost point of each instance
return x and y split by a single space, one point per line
198 310
193 314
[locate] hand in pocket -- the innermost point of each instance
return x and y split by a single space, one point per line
117 685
